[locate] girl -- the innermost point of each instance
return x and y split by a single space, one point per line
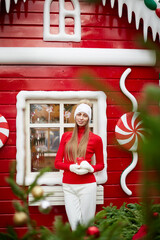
79 183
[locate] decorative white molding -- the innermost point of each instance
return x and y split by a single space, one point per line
126 172
54 177
77 56
128 131
126 92
63 13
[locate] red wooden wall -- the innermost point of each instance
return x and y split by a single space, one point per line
102 28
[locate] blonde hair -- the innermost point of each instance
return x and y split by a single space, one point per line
73 150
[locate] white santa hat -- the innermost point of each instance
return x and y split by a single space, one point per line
83 108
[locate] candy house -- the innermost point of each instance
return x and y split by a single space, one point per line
53 54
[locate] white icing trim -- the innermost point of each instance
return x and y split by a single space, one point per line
77 56
126 92
138 7
7 3
134 147
56 178
63 13
126 172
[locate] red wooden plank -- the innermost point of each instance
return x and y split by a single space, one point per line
115 191
5 165
8 111
131 84
3 177
12 124
20 231
116 152
120 201
14 42
128 199
115 111
57 210
6 220
6 207
113 178
91 20
47 220
111 123
7 97
86 32
72 72
72 84
42 84
135 177
121 163
111 138
41 219
12 139
8 152
6 194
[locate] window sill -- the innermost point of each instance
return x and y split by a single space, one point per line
57 198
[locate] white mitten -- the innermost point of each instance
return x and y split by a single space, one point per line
81 171
86 165
76 169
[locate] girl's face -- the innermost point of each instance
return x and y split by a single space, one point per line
81 119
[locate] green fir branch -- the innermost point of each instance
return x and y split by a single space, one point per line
18 191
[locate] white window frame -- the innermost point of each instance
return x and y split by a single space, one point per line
53 178
63 13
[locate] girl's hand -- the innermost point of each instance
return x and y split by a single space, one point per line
85 165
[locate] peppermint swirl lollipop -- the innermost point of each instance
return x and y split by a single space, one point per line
129 131
4 130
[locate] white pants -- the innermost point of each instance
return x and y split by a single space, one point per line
80 202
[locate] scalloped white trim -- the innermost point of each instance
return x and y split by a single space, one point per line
138 7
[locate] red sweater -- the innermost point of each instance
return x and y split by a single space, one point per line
94 146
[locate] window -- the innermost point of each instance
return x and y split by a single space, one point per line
42 118
64 14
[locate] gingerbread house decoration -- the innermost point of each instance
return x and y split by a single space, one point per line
45 49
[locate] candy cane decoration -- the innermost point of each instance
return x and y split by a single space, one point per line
4 131
129 131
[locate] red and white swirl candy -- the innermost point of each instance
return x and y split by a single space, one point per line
129 131
4 130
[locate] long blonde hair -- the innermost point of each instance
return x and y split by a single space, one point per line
73 149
